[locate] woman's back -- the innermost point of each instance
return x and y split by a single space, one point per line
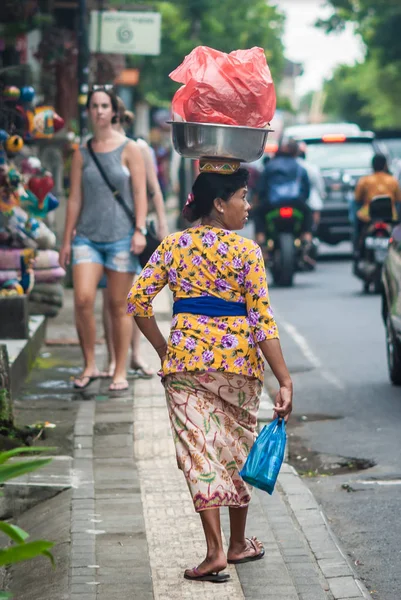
207 261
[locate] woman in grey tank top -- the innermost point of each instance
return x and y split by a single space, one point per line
98 234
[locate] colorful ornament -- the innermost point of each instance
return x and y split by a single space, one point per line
14 144
8 196
31 204
41 186
31 165
27 94
25 283
58 122
14 178
11 287
41 122
51 202
3 138
11 92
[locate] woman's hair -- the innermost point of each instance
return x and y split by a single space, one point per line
113 99
209 186
125 117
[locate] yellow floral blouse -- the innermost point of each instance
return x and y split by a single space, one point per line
207 261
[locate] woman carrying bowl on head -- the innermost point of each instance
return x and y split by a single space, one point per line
105 237
213 361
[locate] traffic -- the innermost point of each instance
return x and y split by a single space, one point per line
327 184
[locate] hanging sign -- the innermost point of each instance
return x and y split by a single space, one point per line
118 32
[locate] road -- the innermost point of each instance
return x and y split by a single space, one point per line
347 416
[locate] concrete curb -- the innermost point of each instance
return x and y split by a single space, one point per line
22 353
334 565
332 561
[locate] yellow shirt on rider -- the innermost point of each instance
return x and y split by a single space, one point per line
377 184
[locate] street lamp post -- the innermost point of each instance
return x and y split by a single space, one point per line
83 68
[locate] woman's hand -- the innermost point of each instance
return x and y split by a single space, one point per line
138 243
65 254
283 403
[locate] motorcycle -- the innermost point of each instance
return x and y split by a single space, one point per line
285 253
373 244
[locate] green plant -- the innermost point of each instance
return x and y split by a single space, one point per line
21 550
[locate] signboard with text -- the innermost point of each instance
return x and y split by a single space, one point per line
118 32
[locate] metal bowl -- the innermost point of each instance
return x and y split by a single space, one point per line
209 140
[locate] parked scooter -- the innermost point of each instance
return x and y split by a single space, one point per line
285 252
373 244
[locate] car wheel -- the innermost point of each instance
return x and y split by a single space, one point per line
393 353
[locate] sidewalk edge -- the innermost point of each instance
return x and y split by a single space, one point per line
305 508
23 353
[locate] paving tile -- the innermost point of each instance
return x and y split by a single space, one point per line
131 485
334 567
344 587
172 520
83 441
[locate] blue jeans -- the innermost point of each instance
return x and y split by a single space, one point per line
115 256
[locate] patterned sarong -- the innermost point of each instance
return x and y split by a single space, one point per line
213 417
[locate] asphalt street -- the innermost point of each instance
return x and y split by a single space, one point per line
346 414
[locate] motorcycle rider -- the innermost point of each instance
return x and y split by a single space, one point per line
379 183
285 180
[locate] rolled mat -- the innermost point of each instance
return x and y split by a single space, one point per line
52 289
42 308
10 259
55 300
41 276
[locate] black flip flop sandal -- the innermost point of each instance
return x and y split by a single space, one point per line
90 378
251 558
212 576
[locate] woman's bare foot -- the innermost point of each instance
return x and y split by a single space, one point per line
141 369
119 385
212 564
251 549
111 368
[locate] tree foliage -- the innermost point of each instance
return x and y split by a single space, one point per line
377 21
225 25
368 93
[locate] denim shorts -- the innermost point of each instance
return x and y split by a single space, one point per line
115 256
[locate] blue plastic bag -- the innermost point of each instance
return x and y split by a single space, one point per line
266 457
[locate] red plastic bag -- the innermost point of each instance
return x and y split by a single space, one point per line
232 89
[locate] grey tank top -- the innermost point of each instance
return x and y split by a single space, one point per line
102 219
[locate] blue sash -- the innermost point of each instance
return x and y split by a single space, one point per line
209 306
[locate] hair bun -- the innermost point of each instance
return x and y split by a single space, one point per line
128 117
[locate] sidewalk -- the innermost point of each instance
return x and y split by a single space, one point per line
132 529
